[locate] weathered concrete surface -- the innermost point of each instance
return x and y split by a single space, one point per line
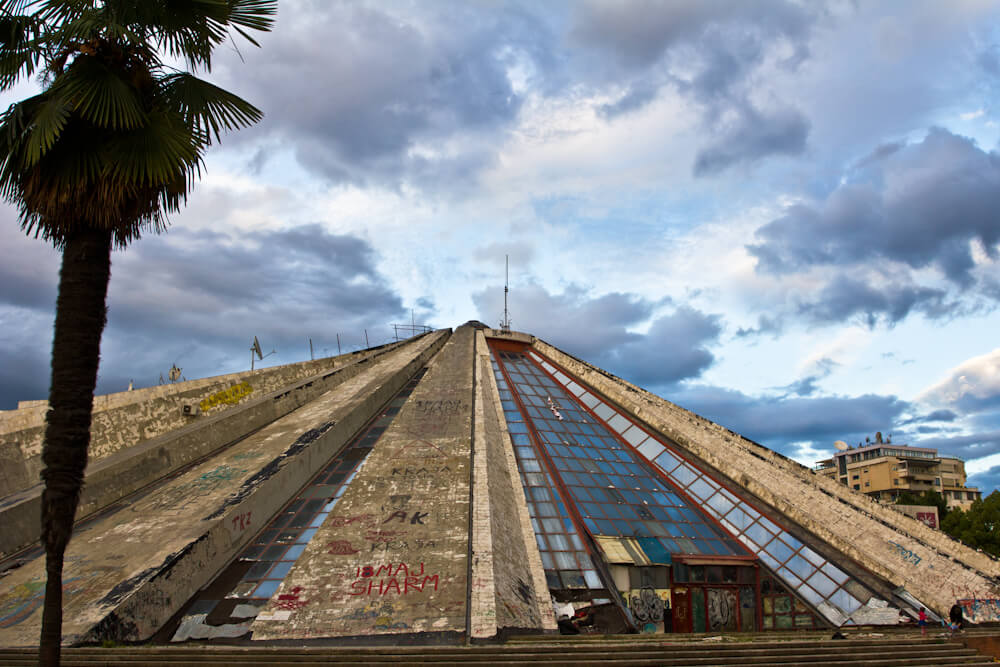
393 556
901 550
112 477
508 582
122 419
126 573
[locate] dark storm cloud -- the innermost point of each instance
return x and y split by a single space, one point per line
197 298
778 421
675 348
987 482
904 209
639 33
354 89
923 208
765 325
967 447
848 299
754 136
935 416
717 46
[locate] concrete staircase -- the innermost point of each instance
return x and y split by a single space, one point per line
889 651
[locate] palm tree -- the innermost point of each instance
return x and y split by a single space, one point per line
110 146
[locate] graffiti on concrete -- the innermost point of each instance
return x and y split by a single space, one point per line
241 521
339 521
420 473
907 555
392 578
415 517
291 600
981 610
340 548
229 396
439 407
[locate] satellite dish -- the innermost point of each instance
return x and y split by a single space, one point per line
256 348
840 445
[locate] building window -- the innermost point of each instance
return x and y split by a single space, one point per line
857 487
854 477
895 482
867 484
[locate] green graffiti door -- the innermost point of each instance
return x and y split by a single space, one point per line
697 609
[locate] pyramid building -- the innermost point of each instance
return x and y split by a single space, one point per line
460 485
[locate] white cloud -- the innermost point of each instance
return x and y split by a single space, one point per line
976 378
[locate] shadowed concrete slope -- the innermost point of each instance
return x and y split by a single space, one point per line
127 572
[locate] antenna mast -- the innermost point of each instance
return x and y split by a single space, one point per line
505 323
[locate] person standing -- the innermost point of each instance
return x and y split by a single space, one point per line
922 621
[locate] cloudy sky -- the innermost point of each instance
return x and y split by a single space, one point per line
781 215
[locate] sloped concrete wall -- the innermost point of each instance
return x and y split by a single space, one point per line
901 550
508 582
129 571
123 419
112 477
393 556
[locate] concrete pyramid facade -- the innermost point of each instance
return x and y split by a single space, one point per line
458 485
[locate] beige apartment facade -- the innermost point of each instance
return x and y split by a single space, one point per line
885 470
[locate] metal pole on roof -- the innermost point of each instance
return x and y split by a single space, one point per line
366 339
338 344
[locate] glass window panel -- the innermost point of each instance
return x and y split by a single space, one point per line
758 534
779 550
790 540
834 573
634 435
547 562
845 601
573 579
619 423
719 503
813 557
684 475
593 581
564 560
558 542
306 536
810 595
280 570
800 566
294 552
700 489
767 523
266 589
822 583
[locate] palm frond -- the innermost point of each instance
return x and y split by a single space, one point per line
20 51
50 117
252 14
206 107
155 153
99 94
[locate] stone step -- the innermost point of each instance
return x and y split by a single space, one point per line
888 655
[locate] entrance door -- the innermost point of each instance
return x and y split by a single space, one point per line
681 609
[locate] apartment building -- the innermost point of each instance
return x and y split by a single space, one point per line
883 470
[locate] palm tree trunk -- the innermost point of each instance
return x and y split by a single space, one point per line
76 351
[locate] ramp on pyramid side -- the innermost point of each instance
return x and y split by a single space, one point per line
129 570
